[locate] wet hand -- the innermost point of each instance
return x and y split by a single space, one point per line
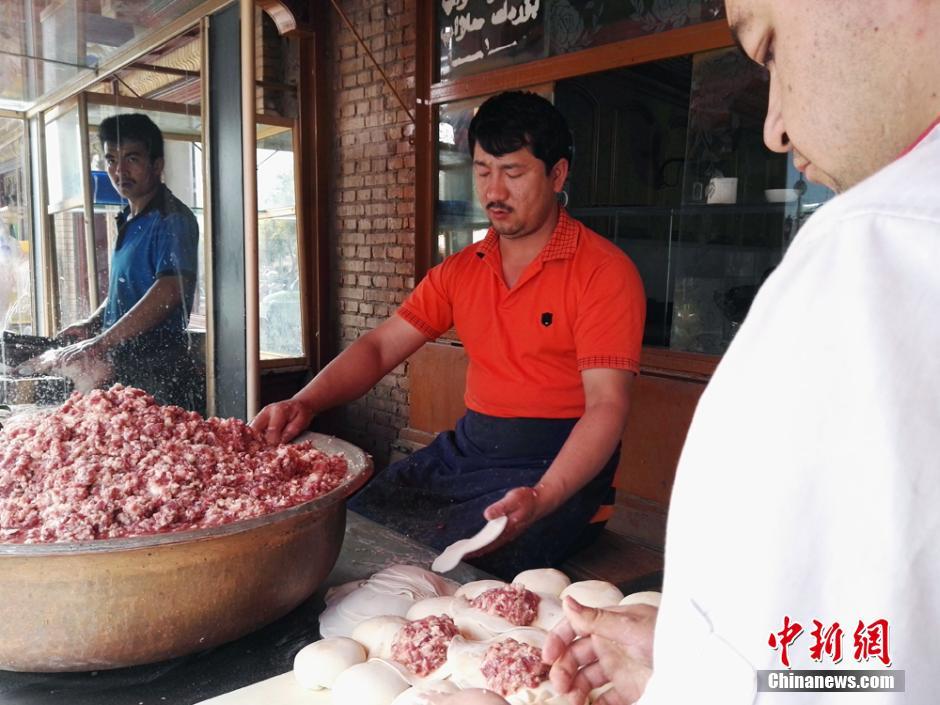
282 421
76 331
81 352
594 647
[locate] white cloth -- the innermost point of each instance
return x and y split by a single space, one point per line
809 485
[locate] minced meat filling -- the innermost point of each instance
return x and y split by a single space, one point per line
513 603
113 463
421 645
509 666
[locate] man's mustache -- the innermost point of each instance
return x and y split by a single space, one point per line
500 205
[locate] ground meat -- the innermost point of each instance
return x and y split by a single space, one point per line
421 646
513 603
113 463
509 665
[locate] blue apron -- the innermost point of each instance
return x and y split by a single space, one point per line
437 495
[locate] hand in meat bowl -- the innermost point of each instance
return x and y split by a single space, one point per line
170 584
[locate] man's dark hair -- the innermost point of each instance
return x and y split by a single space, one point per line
132 126
510 121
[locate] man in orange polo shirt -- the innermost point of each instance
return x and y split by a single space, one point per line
551 315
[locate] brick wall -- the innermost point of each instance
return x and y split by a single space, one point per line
372 200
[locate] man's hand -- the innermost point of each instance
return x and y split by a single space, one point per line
594 647
281 421
81 353
77 331
521 507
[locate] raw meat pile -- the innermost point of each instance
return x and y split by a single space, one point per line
421 645
113 463
513 603
510 666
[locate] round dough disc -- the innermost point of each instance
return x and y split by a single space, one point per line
593 593
371 683
318 664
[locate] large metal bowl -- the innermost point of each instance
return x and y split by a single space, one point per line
94 605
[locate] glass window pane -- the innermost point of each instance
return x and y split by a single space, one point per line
182 174
742 204
71 267
629 129
71 38
279 286
281 322
63 158
16 308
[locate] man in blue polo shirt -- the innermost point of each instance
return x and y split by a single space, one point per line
141 325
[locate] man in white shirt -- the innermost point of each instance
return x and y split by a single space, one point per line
803 531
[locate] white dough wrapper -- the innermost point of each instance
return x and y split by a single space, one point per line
593 593
413 581
470 696
543 580
550 612
344 615
437 606
377 634
647 597
419 694
317 665
374 682
477 587
334 594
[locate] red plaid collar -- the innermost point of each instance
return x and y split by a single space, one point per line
563 244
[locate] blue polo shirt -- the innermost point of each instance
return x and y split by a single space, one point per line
160 241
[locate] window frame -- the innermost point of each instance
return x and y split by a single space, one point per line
298 211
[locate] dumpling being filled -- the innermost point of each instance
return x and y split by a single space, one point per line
502 608
421 646
475 587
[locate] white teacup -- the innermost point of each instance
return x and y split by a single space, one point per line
722 189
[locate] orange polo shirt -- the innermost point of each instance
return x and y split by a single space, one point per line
578 305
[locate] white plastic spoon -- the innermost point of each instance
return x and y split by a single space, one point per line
453 554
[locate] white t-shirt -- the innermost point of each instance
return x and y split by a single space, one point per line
809 485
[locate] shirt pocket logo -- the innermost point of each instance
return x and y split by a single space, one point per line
547 319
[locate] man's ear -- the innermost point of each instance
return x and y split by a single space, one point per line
158 165
559 174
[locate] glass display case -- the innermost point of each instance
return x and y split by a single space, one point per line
669 164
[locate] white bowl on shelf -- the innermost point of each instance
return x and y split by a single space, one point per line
781 195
